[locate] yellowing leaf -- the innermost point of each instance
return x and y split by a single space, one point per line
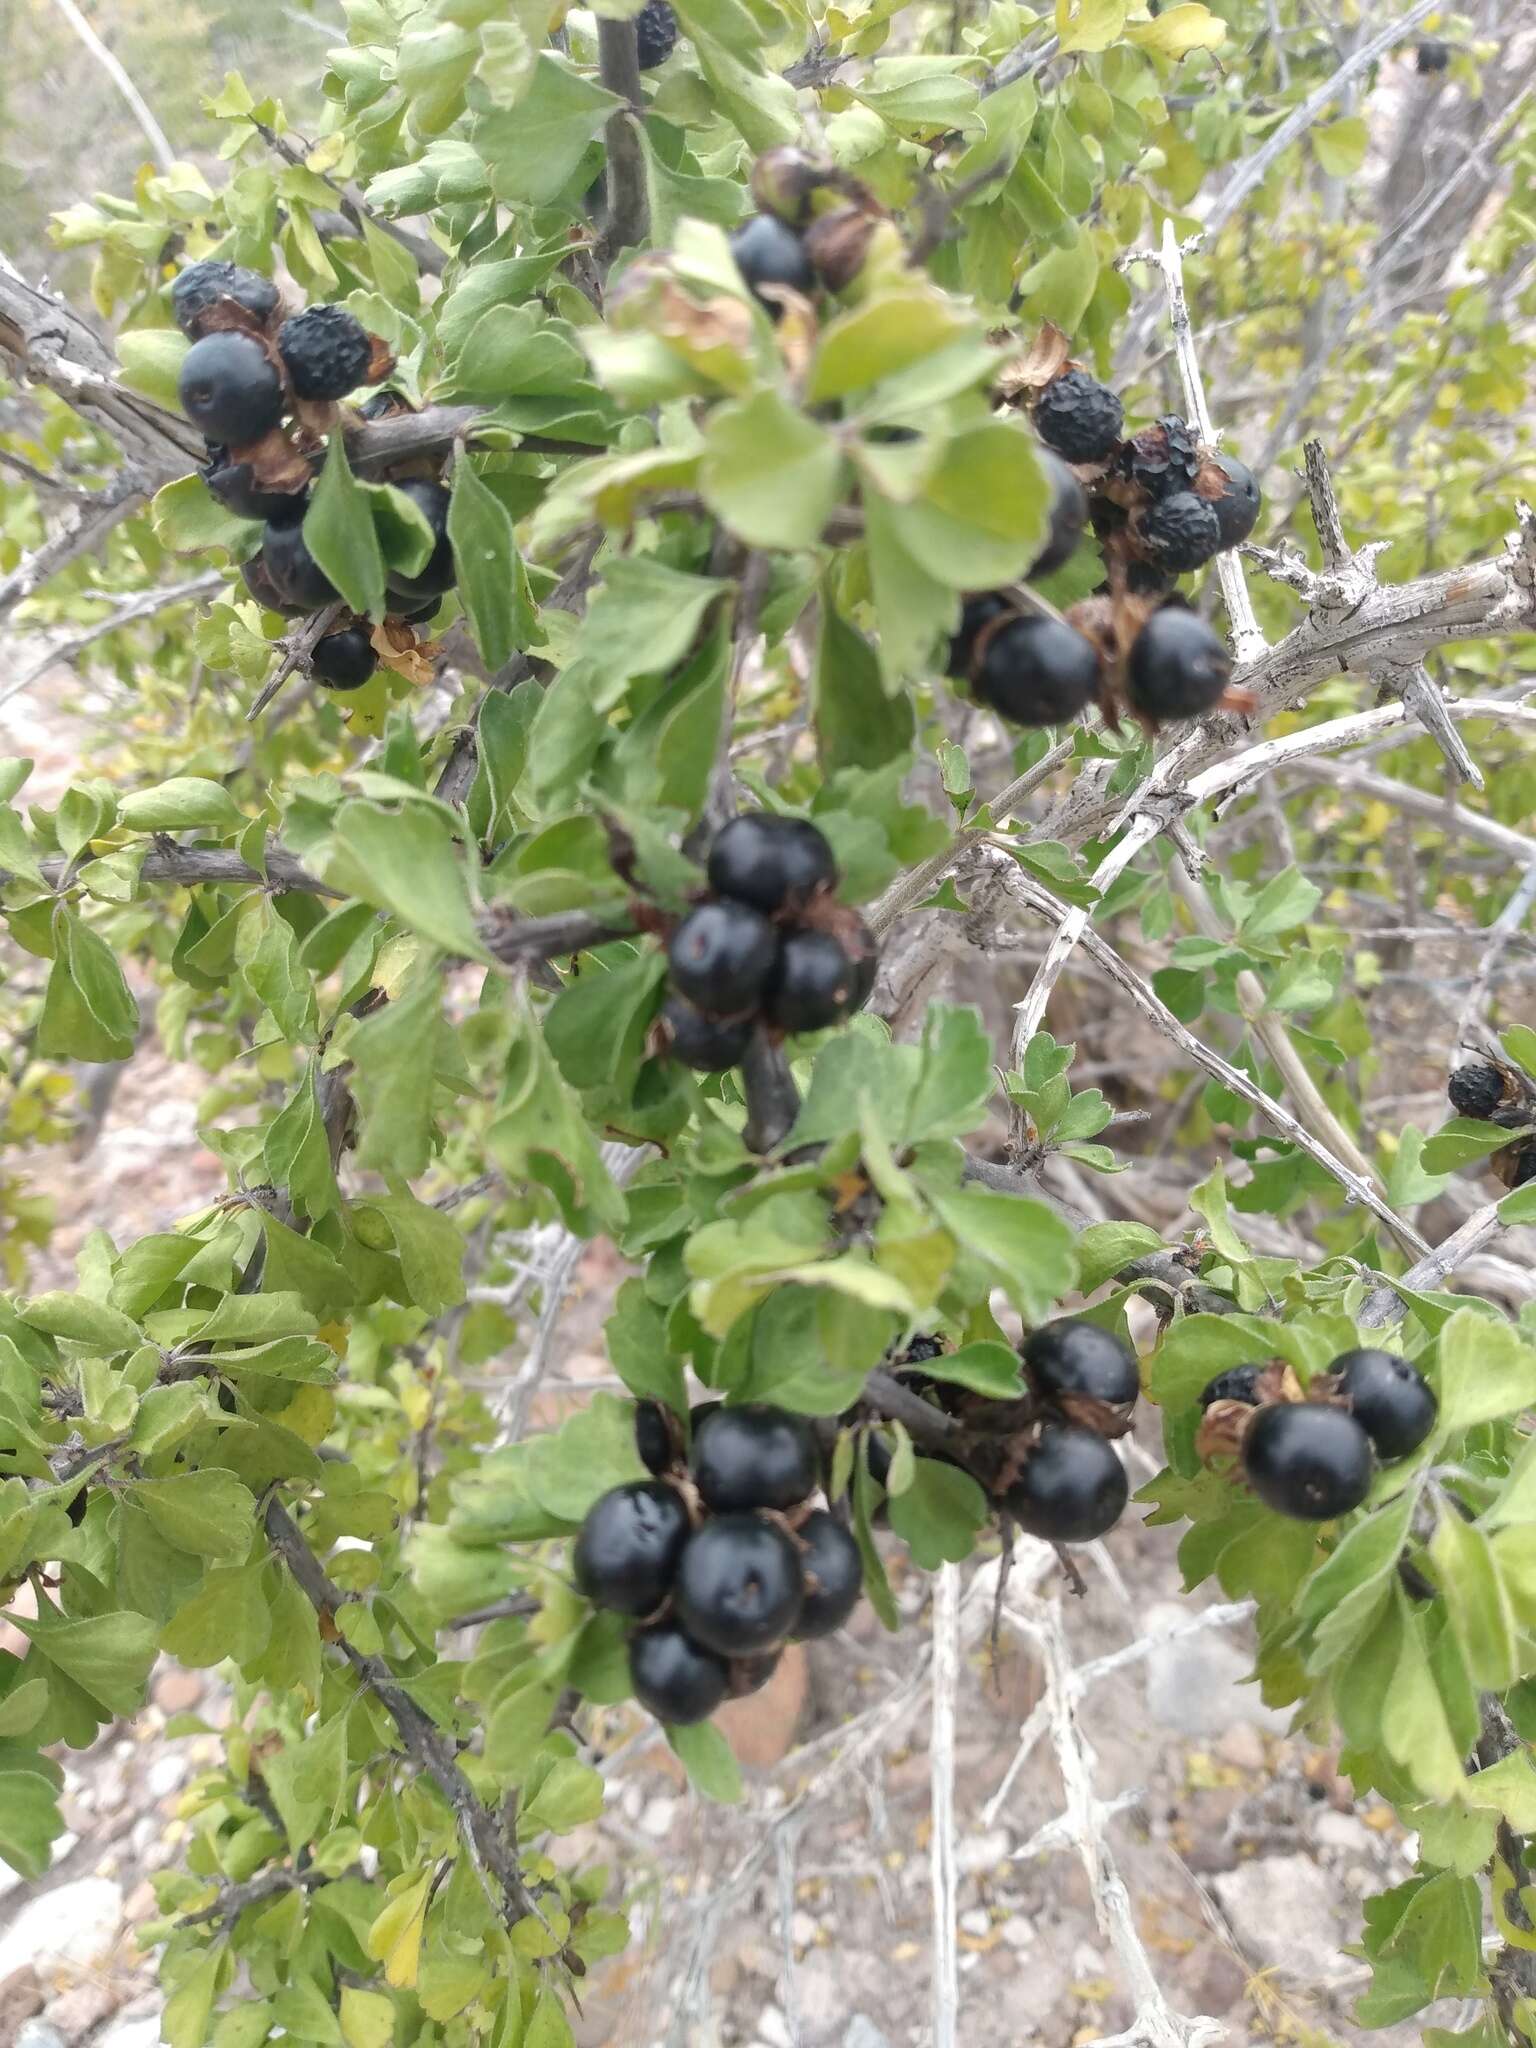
1089 24
394 1939
1180 30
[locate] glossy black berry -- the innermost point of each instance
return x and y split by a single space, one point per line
1237 1383
383 405
739 1585
1306 1460
1069 515
770 862
229 389
627 1553
674 1678
1074 1357
704 1043
754 1456
1476 1091
436 577
1079 417
1390 1399
235 486
1072 1488
751 1674
815 984
653 1437
1181 532
1431 55
977 611
1037 672
1162 458
296 575
257 579
834 1576
1240 502
199 288
722 956
344 660
656 33
768 252
1178 667
327 352
412 614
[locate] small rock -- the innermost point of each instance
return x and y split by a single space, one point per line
1346 1834
978 1922
165 1775
803 1930
1195 1683
656 1821
38 2034
1242 1746
1017 1932
1216 1981
863 2033
178 1692
978 1853
20 1997
1285 1916
74 1923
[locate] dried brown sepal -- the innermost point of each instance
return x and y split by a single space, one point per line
412 662
837 245
1102 1417
1030 371
1211 480
276 464
796 330
1278 1382
313 419
381 360
702 324
1222 1429
784 182
228 316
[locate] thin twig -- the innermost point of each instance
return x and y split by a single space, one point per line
1501 935
143 606
137 105
629 206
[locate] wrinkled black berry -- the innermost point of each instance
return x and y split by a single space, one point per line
675 1679
295 573
235 486
1306 1460
1182 532
653 1437
977 611
1237 509
1079 417
344 660
739 1586
326 350
627 1553
722 956
1076 1357
229 389
1037 672
1390 1399
1178 667
436 578
1431 55
656 33
754 1456
1476 1091
770 862
834 1576
1072 1488
1069 515
767 252
815 984
1162 458
199 288
1237 1383
704 1043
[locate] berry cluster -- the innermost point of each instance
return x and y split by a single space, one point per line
1312 1456
813 230
1493 1092
1161 505
261 387
719 1558
770 944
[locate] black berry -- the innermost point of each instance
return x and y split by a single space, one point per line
1306 1460
1037 672
326 350
1072 1488
977 611
297 576
770 862
1079 417
1238 505
1237 1383
1178 667
1162 458
1431 55
1069 515
436 578
739 1586
257 579
344 660
1181 532
656 33
754 1456
751 1674
1476 1091
1389 1398
815 984
704 1043
834 1576
199 288
383 405
767 252
722 956
229 389
1074 1357
235 486
627 1553
674 1678
410 614
653 1437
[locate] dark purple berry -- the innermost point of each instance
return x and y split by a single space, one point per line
771 863
344 660
198 289
768 252
722 956
1181 532
834 1576
1072 1488
235 486
1178 667
296 575
977 611
1390 1399
229 389
327 352
674 1678
1075 1357
751 1674
257 579
754 1456
815 984
1162 458
436 577
1237 1383
627 1553
1476 1091
653 1437
1430 56
656 33
1069 515
1037 672
1237 508
703 1043
1079 417
1307 1460
739 1586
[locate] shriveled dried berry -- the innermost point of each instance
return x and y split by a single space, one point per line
326 350
1476 1090
656 33
1079 417
1181 532
198 289
1237 1383
1162 458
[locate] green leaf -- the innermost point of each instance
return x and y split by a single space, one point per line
107 1656
489 571
30 1819
541 1132
890 332
206 1513
229 1617
297 1150
568 1798
306 1780
430 1248
706 1756
985 1368
1476 1601
339 533
405 863
395 1055
152 358
939 1514
1104 1248
1486 1372
1460 1142
532 150
858 723
89 1012
80 1320
772 475
643 619
981 515
1341 145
